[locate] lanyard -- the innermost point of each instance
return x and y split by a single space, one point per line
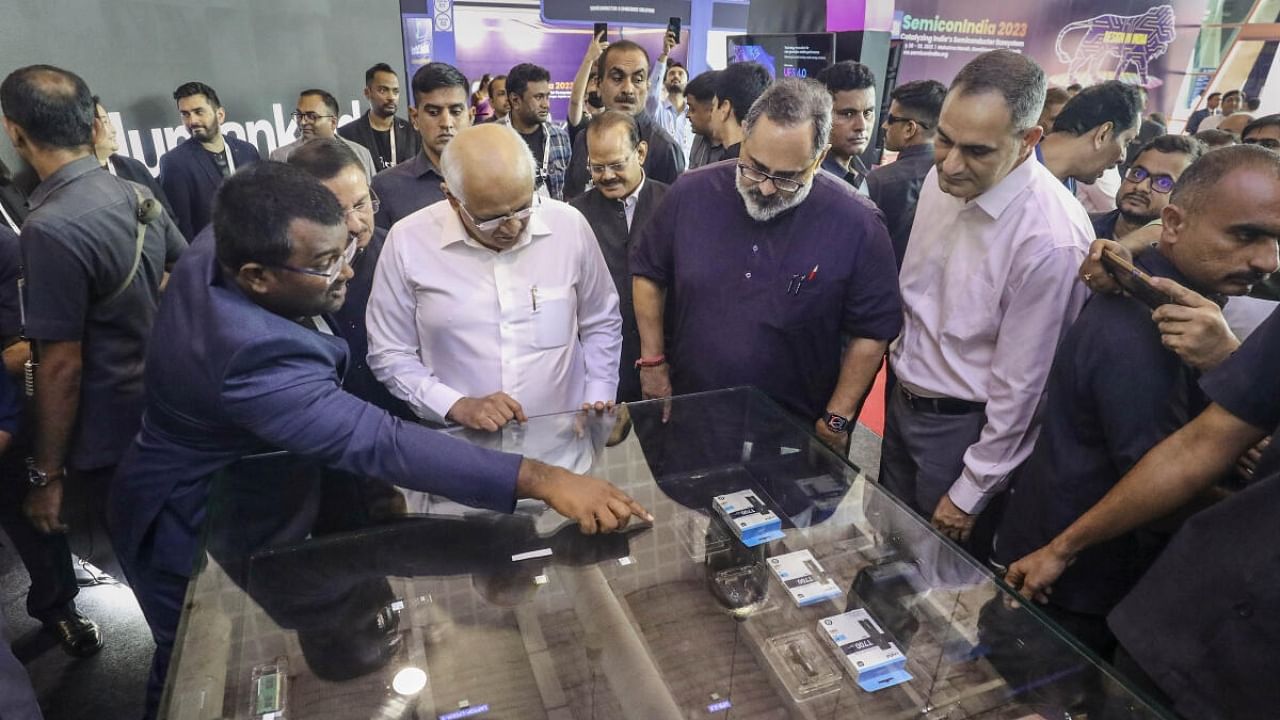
9 220
392 132
111 168
545 188
231 161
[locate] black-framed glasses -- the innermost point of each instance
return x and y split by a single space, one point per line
369 204
310 116
334 271
617 167
890 118
755 175
486 227
1162 184
1268 143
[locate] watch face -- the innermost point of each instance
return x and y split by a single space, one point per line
837 423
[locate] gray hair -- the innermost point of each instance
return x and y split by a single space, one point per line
790 102
451 166
1017 78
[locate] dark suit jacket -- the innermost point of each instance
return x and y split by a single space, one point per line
227 378
349 319
664 162
609 222
130 169
190 179
895 189
408 143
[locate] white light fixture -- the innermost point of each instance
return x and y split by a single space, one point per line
409 681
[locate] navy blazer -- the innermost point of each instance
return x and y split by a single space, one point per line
226 378
190 179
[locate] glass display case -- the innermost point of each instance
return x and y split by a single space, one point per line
777 581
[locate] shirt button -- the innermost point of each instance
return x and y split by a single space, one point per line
755 248
748 276
1244 610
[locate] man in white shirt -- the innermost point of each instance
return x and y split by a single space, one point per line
989 287
494 305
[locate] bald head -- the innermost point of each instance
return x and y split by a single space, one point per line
1235 123
489 174
47 106
488 164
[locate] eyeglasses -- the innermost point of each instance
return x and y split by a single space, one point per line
784 184
486 227
1268 143
890 118
1159 183
330 275
598 169
310 116
369 204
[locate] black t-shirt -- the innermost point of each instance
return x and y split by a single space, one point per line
220 159
1247 384
382 143
537 142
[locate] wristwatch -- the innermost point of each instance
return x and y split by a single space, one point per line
39 478
837 423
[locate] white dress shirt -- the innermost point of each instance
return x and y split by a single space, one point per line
629 202
675 122
989 287
1100 197
449 318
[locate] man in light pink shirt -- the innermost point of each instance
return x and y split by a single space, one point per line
989 287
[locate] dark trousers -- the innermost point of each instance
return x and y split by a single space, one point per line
923 455
160 594
47 558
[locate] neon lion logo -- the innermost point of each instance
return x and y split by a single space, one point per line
1135 39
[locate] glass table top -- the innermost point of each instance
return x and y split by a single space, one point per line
326 596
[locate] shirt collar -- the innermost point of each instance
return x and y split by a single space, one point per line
913 150
998 198
422 166
454 231
634 197
62 177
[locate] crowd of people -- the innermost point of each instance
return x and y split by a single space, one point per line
480 263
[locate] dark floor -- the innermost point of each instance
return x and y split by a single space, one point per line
107 686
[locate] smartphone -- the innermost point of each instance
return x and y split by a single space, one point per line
1134 281
601 32
673 27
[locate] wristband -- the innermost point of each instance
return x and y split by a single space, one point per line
651 361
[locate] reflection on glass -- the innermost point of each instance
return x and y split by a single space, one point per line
523 616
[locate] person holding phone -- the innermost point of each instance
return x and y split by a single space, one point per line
666 100
1118 389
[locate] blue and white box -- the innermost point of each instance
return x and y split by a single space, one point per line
752 521
868 653
804 578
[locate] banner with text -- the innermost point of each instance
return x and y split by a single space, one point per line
1076 41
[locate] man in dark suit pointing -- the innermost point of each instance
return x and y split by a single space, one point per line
245 366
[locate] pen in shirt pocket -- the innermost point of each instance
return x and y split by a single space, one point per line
533 297
799 279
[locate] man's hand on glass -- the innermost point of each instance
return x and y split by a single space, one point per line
595 504
487 413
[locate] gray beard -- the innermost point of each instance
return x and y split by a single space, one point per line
764 213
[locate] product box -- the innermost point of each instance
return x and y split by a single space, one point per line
751 520
805 580
867 651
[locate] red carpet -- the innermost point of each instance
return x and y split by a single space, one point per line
873 409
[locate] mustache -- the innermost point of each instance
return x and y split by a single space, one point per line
1145 198
625 98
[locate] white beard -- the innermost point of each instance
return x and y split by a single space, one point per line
761 212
